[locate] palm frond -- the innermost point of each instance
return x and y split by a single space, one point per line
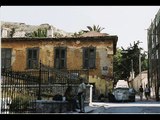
90 28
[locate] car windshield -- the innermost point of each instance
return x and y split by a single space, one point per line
120 90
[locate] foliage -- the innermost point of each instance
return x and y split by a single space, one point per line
77 34
94 28
57 35
122 61
28 34
117 59
38 33
20 102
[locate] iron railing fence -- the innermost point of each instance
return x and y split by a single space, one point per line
20 88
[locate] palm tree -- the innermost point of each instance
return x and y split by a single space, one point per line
94 28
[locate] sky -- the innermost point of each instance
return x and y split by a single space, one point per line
129 23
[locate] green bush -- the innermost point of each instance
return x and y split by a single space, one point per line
20 103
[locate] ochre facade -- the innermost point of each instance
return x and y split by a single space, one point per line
101 76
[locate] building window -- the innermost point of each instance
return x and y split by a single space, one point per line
89 57
32 58
6 57
60 57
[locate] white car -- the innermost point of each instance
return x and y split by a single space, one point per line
121 94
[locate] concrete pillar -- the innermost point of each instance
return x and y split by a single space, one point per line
88 97
90 100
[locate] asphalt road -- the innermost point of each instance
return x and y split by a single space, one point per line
128 110
138 107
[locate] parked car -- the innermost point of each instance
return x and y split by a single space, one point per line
132 94
122 92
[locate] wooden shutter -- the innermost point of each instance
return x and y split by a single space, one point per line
6 57
92 57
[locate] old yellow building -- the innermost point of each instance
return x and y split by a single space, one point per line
92 52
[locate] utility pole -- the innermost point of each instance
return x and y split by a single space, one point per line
132 72
140 67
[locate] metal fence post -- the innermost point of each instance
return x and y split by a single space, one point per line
39 89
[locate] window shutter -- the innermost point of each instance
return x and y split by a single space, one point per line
3 58
32 58
64 57
92 57
56 58
60 57
85 58
6 57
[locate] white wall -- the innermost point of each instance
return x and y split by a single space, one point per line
140 79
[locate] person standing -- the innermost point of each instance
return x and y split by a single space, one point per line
147 92
70 97
81 95
141 92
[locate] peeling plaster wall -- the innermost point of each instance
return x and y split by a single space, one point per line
74 58
102 86
103 60
46 54
104 63
104 57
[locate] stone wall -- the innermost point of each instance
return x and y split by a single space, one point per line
51 106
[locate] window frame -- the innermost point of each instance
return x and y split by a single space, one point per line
5 58
58 60
36 60
87 58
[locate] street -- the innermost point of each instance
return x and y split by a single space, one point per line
137 107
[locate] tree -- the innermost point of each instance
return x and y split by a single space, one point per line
94 28
117 59
122 61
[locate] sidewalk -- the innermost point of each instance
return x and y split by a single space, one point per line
144 99
99 105
88 109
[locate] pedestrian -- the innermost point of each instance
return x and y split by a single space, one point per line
147 92
70 97
81 95
141 92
